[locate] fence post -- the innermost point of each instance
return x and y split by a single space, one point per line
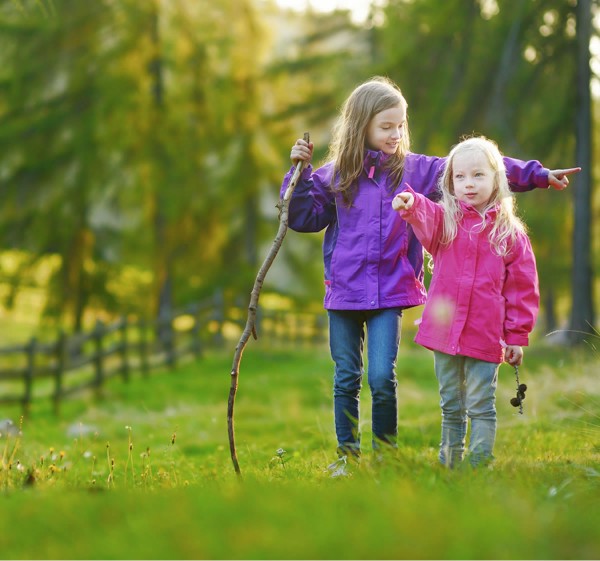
29 374
195 335
218 317
167 338
321 326
61 354
143 346
124 349
281 330
98 335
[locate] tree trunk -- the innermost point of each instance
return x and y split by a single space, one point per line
582 312
162 251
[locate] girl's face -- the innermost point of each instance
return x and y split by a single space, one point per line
473 178
386 129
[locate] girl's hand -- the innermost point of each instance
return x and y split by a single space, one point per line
403 201
302 150
513 354
558 179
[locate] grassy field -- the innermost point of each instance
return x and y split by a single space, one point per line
145 473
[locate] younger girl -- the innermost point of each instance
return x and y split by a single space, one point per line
483 298
373 262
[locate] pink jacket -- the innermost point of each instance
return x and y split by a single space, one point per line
477 300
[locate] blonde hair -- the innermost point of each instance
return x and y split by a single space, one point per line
507 224
347 147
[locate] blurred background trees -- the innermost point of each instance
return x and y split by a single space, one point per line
143 142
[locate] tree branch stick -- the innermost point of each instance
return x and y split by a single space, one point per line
250 328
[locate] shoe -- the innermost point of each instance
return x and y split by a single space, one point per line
339 468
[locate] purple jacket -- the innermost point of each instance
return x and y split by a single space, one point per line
372 259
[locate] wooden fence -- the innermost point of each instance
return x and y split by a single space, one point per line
72 364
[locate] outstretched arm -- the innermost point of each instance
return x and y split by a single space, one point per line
528 175
425 216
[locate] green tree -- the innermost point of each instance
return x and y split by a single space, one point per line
491 68
130 141
52 105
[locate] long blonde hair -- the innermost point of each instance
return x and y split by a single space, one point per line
347 147
507 224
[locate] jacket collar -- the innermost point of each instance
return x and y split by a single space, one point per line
490 213
375 157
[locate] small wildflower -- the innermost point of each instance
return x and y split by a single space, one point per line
173 438
280 452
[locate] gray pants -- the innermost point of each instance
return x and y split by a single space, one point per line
467 391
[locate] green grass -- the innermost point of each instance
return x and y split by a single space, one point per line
146 471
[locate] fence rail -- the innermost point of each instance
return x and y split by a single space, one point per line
80 362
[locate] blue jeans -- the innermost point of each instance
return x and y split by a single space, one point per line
467 391
346 341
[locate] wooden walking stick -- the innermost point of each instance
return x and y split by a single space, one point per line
250 328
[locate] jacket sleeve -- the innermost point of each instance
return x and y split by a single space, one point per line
521 293
426 219
525 176
312 206
423 174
